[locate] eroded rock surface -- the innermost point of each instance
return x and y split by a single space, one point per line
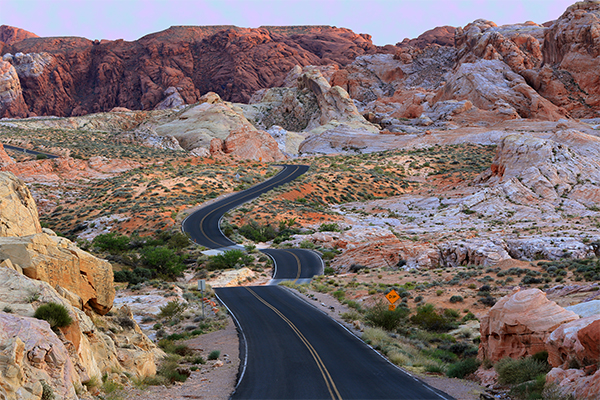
18 212
518 325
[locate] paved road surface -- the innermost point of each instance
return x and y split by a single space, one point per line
27 151
290 349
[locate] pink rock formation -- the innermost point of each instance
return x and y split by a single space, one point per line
250 144
5 159
12 103
11 35
490 84
571 53
574 382
519 324
577 341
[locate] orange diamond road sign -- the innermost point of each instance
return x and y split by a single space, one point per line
392 296
391 307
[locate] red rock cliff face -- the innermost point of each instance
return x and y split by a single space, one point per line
10 34
75 76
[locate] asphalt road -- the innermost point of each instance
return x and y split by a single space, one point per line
203 225
295 351
27 151
289 348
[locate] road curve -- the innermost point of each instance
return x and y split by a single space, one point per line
289 349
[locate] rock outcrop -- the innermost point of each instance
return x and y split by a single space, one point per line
67 358
61 263
492 85
18 212
519 324
81 76
11 35
575 382
12 103
575 343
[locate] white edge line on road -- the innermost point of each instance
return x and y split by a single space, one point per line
362 341
274 267
239 326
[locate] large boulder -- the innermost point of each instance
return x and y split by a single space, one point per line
31 355
18 212
60 262
519 324
575 343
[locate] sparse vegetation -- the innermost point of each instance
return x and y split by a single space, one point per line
55 314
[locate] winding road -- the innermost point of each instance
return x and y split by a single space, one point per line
289 348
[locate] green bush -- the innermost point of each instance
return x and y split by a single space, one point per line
41 157
55 314
331 227
113 242
456 299
171 309
214 354
229 259
380 316
164 260
429 319
463 368
257 232
135 276
172 372
515 371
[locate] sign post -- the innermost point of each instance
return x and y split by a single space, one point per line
202 288
392 297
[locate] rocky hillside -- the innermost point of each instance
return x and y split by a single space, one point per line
66 76
38 268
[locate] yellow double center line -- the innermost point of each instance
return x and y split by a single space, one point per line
233 201
299 265
335 395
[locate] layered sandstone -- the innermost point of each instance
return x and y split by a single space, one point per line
18 212
60 262
575 343
518 325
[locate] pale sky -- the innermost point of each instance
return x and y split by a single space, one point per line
388 21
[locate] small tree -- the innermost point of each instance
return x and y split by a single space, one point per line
112 242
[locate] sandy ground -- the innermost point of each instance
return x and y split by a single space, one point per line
211 381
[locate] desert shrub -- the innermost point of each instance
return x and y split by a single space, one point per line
41 157
257 232
515 371
463 368
488 301
331 227
171 309
380 316
126 322
112 242
174 239
55 314
429 319
164 260
47 392
456 299
135 276
172 372
229 259
328 271
213 355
